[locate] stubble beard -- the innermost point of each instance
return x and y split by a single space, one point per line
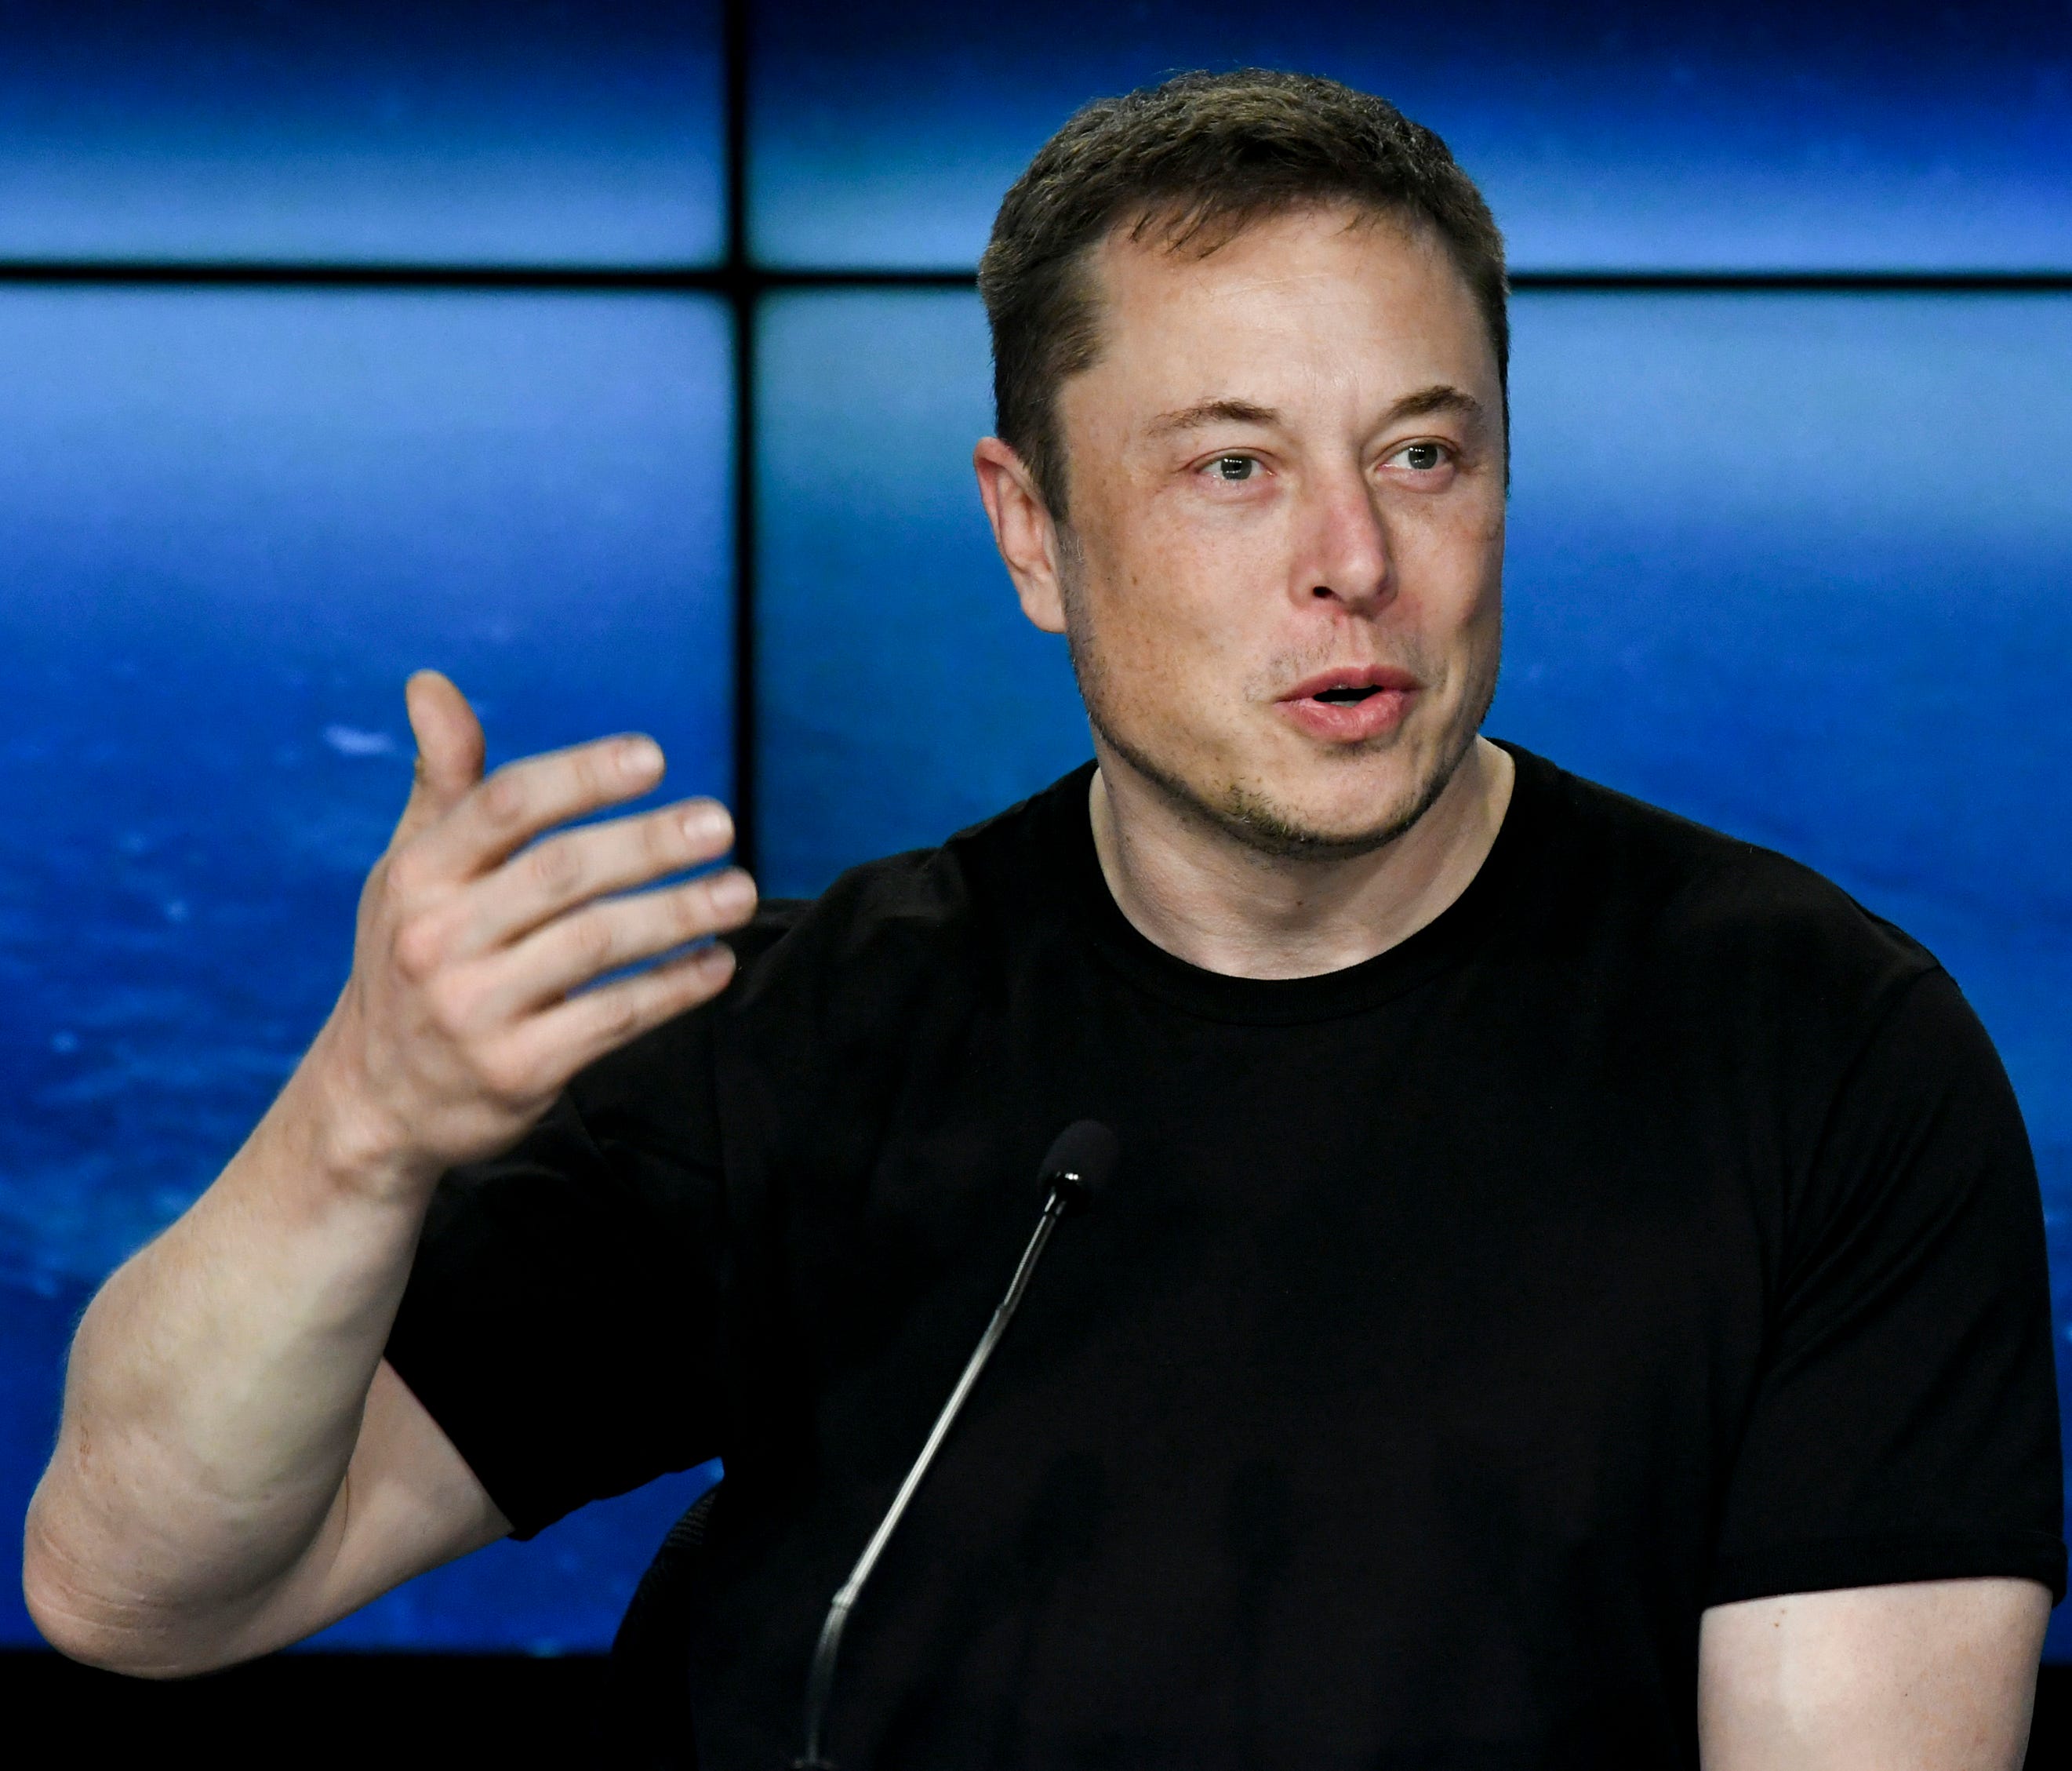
1245 814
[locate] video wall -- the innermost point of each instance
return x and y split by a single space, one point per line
338 342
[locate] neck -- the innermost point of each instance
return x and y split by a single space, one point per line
1205 897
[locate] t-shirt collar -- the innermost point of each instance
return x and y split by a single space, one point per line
1456 932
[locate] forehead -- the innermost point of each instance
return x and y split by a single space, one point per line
1351 295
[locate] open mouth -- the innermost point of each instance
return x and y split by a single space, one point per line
1352 703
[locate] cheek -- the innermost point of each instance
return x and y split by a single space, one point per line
1185 646
1171 600
1453 559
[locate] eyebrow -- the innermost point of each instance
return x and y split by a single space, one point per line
1439 397
1212 412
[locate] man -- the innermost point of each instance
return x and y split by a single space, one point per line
1573 1291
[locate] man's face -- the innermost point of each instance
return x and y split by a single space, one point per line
1282 577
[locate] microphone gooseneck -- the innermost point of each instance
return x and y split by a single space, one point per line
1078 1163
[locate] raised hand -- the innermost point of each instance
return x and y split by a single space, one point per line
465 1012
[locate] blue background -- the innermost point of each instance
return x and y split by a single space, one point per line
1792 563
1622 134
527 132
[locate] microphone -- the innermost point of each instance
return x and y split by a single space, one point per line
1078 1164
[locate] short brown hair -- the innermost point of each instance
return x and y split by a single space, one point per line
1200 157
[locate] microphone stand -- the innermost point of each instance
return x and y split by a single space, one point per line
1069 1189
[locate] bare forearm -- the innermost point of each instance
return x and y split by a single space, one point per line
216 1387
235 1468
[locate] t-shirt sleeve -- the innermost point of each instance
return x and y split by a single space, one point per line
1905 1424
560 1320
556 1323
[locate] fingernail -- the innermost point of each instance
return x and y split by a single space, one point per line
640 756
732 892
707 824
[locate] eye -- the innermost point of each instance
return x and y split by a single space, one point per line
1420 458
1233 469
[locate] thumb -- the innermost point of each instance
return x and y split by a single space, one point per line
450 751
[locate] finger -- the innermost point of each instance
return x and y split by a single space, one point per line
521 799
568 869
557 1043
450 751
573 951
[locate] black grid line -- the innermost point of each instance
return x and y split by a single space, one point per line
742 297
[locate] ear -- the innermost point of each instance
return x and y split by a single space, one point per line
1023 530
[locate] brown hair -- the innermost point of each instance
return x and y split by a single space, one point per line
1200 158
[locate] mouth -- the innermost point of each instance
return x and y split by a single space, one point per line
1352 704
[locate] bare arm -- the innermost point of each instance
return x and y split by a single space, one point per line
1934 1675
236 1466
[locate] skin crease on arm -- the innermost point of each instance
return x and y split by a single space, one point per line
1932 1675
235 1465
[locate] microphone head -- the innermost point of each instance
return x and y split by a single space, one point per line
1079 1163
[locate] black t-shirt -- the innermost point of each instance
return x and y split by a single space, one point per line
1655 1229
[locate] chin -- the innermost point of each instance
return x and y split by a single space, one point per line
1331 808
1344 802
1324 826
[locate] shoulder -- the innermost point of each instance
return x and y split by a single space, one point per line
1699 911
818 979
890 927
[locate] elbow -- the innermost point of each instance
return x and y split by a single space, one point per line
79 1634
84 1625
70 1627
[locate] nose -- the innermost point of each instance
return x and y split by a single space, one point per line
1342 555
